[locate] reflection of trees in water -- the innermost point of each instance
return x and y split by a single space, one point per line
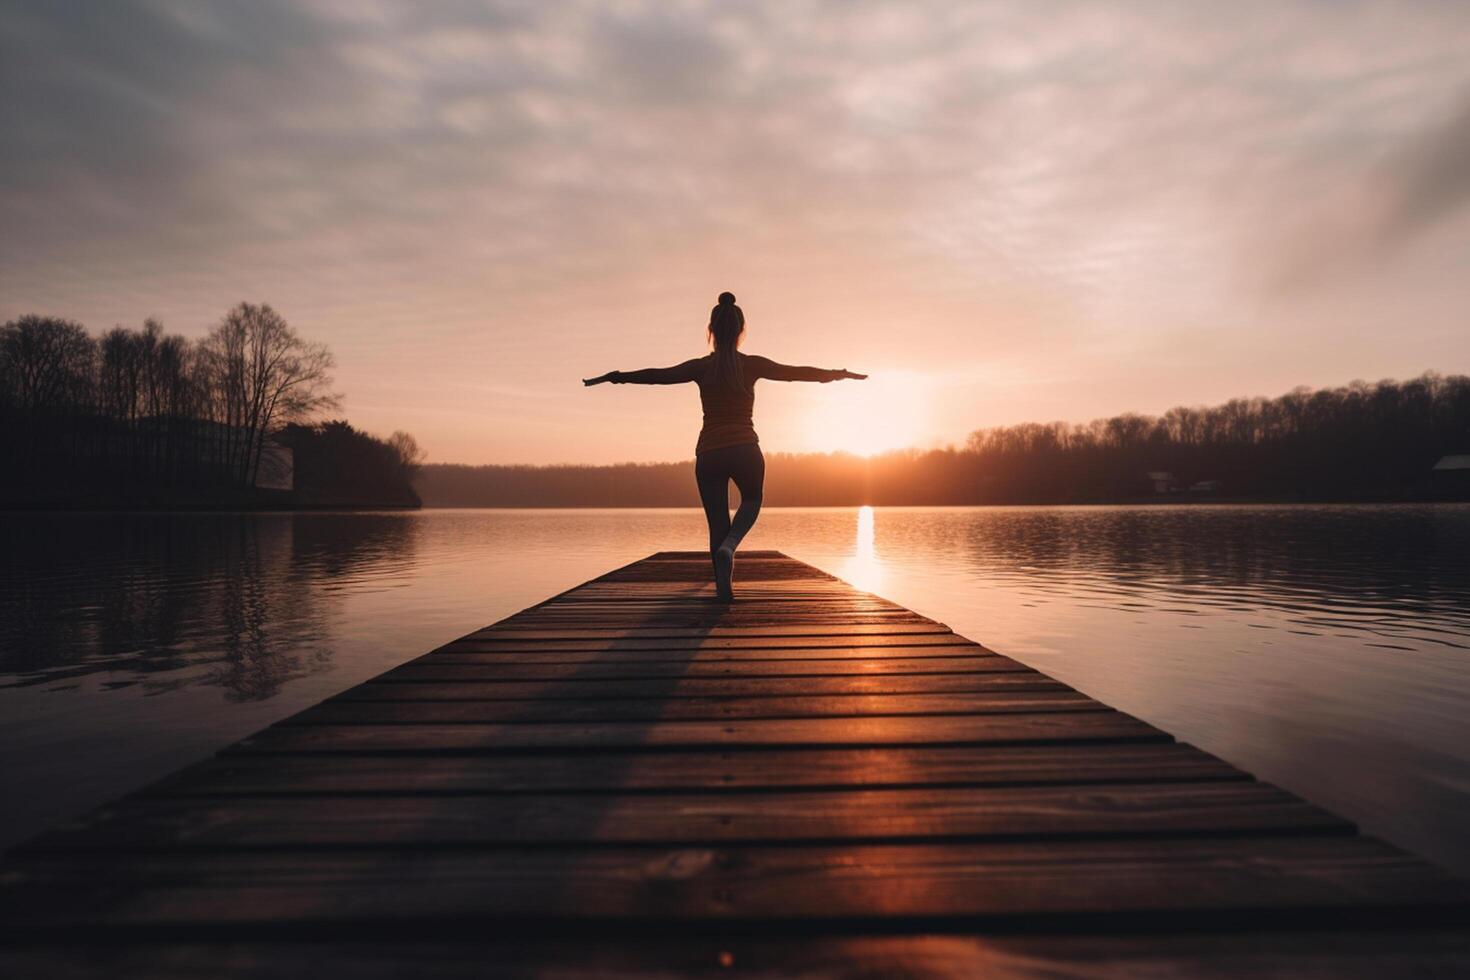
235 600
266 614
1408 556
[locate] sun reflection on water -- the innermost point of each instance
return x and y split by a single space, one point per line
864 569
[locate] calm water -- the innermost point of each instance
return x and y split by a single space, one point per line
1326 649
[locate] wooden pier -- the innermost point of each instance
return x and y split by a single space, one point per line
630 778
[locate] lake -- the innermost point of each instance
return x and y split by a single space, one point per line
1325 649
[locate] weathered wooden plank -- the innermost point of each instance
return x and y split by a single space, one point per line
693 614
736 614
650 771
713 655
676 687
748 571
698 612
778 560
1238 881
403 711
1072 726
663 593
615 621
649 952
693 567
772 575
716 629
757 599
769 602
591 668
1153 809
691 651
774 607
750 567
778 596
879 645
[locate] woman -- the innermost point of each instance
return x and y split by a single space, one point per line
728 447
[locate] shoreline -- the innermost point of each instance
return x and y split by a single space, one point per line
1124 502
239 507
222 507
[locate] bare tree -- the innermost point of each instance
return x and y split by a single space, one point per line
410 456
260 375
49 364
49 360
119 379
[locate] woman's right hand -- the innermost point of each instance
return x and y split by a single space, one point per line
844 373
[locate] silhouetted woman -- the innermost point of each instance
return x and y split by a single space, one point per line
728 447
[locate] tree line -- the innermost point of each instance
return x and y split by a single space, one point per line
1359 441
140 415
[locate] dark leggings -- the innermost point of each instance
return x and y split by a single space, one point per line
713 471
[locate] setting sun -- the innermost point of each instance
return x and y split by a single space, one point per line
887 411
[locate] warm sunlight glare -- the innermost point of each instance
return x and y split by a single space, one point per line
863 569
889 411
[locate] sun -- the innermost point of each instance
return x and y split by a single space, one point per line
865 418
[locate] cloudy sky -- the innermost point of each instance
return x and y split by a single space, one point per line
1004 211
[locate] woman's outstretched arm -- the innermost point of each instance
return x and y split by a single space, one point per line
678 374
776 371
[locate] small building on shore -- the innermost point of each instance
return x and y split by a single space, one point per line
1163 481
1451 475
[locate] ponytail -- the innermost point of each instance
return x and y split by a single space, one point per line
726 325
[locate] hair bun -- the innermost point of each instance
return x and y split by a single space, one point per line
727 299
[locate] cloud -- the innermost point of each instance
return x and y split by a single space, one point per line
1433 178
1368 218
1062 140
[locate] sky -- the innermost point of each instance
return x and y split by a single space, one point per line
1003 212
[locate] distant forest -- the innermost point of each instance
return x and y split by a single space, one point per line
1357 442
142 418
